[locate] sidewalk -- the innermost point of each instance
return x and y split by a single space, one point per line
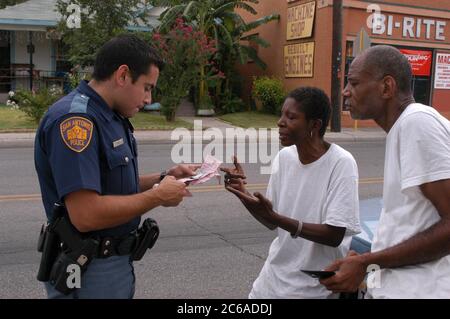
208 123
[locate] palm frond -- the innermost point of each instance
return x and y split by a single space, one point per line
236 17
240 54
226 33
253 54
254 24
256 39
169 16
223 8
188 8
245 6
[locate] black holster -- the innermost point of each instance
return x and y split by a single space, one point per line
63 246
49 244
145 238
81 258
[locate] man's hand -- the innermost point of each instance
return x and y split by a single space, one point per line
350 273
183 170
170 191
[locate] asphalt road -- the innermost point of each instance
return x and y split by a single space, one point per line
209 246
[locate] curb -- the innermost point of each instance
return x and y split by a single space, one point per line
29 142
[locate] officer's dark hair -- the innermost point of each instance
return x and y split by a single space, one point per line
314 103
125 49
382 60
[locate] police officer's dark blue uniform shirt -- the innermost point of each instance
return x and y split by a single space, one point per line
82 143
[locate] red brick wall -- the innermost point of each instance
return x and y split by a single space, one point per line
354 19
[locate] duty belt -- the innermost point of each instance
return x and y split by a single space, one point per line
113 246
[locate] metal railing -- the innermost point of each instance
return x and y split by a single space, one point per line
14 79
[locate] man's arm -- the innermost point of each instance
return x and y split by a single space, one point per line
89 211
431 244
146 182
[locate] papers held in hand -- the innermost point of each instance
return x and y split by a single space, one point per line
207 171
195 177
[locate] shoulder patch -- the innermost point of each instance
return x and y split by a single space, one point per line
76 133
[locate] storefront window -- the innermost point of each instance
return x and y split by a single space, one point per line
421 63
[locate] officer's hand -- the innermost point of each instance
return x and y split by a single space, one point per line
183 170
171 192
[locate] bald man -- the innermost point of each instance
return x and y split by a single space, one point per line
412 242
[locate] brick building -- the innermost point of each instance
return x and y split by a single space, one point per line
302 44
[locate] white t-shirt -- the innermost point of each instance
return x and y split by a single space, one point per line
417 152
322 192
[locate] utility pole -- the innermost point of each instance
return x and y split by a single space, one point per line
336 67
30 49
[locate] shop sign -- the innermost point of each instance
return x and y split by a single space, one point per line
442 73
420 61
300 21
410 27
299 60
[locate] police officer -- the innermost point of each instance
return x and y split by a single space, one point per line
86 160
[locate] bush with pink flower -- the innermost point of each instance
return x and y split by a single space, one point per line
186 52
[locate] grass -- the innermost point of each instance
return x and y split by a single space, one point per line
17 121
14 120
148 121
251 119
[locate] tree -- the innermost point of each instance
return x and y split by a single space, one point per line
100 21
218 19
240 52
184 52
5 3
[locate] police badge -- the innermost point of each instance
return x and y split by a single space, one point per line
76 133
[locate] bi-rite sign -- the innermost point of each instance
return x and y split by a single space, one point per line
300 21
408 27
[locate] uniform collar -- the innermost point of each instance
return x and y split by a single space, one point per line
126 122
102 106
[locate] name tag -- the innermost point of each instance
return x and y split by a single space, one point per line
118 143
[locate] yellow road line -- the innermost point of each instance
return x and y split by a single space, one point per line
19 197
196 189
